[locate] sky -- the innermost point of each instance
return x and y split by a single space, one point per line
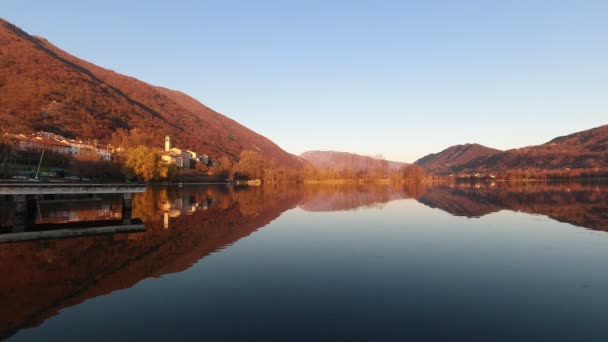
396 78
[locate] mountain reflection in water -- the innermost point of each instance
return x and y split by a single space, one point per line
183 225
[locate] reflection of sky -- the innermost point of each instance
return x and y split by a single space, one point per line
406 270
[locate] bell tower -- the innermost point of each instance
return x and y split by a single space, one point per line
167 143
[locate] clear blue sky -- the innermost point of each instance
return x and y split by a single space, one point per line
400 78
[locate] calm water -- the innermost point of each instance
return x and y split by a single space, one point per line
475 261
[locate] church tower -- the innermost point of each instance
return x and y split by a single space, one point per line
167 143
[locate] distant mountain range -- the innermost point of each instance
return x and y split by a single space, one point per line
45 88
333 160
584 152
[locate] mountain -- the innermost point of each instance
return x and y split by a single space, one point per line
444 161
45 88
333 160
583 152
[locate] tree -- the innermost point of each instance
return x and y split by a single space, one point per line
85 164
142 163
250 166
412 172
89 164
8 143
223 168
166 170
310 172
131 139
200 167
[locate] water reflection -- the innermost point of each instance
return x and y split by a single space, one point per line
348 197
42 277
183 225
580 204
66 210
584 205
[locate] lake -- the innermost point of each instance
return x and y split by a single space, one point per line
471 261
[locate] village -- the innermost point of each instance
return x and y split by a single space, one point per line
183 158
55 146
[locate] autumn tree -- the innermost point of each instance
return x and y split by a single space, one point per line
250 165
132 138
143 163
412 172
200 167
223 168
166 170
310 172
7 145
85 164
89 164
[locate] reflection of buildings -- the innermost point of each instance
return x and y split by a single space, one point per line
182 205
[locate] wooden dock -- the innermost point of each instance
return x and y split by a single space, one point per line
66 188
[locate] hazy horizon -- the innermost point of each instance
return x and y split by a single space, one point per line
398 79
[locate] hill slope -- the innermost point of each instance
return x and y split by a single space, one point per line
454 156
586 150
333 160
45 88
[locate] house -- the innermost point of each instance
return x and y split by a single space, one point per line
173 158
42 143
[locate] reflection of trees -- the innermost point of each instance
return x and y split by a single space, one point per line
147 204
332 197
414 189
